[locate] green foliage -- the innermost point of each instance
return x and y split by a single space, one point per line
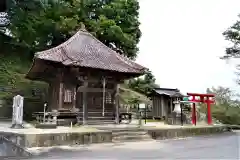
39 24
128 96
144 85
42 24
232 34
13 69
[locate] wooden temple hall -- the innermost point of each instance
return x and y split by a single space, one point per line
83 76
163 101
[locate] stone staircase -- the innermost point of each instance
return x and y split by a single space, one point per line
94 116
130 135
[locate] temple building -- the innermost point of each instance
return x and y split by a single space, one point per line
163 99
83 76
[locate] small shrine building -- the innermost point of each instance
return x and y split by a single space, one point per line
83 76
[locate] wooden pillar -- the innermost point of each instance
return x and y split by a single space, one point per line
85 86
74 98
104 96
50 96
166 108
162 106
171 104
60 106
117 104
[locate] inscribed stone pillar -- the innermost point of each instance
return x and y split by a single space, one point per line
17 114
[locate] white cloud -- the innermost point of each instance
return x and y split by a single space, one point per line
182 42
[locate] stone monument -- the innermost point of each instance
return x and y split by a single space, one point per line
17 113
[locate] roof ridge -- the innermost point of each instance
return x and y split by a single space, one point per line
82 39
119 56
170 89
60 46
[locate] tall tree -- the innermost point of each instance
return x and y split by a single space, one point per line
42 24
232 34
223 96
144 85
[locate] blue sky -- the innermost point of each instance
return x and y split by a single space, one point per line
180 34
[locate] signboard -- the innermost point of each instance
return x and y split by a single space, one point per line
142 106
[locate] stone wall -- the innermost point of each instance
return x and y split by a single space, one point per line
80 138
58 139
169 133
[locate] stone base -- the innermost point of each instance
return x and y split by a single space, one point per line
169 133
17 126
75 136
29 140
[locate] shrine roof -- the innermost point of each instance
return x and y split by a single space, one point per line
169 92
84 50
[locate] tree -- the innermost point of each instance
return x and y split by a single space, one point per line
226 109
232 34
144 85
41 24
223 95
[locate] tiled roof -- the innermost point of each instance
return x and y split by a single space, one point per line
84 50
168 91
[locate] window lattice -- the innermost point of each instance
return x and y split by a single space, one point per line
68 96
108 98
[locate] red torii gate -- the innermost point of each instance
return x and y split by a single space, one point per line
203 98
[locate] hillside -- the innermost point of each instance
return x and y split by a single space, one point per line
12 73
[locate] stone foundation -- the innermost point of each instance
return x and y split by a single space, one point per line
49 139
168 133
59 139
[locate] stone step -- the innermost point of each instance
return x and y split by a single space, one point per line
96 122
97 118
101 118
99 114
